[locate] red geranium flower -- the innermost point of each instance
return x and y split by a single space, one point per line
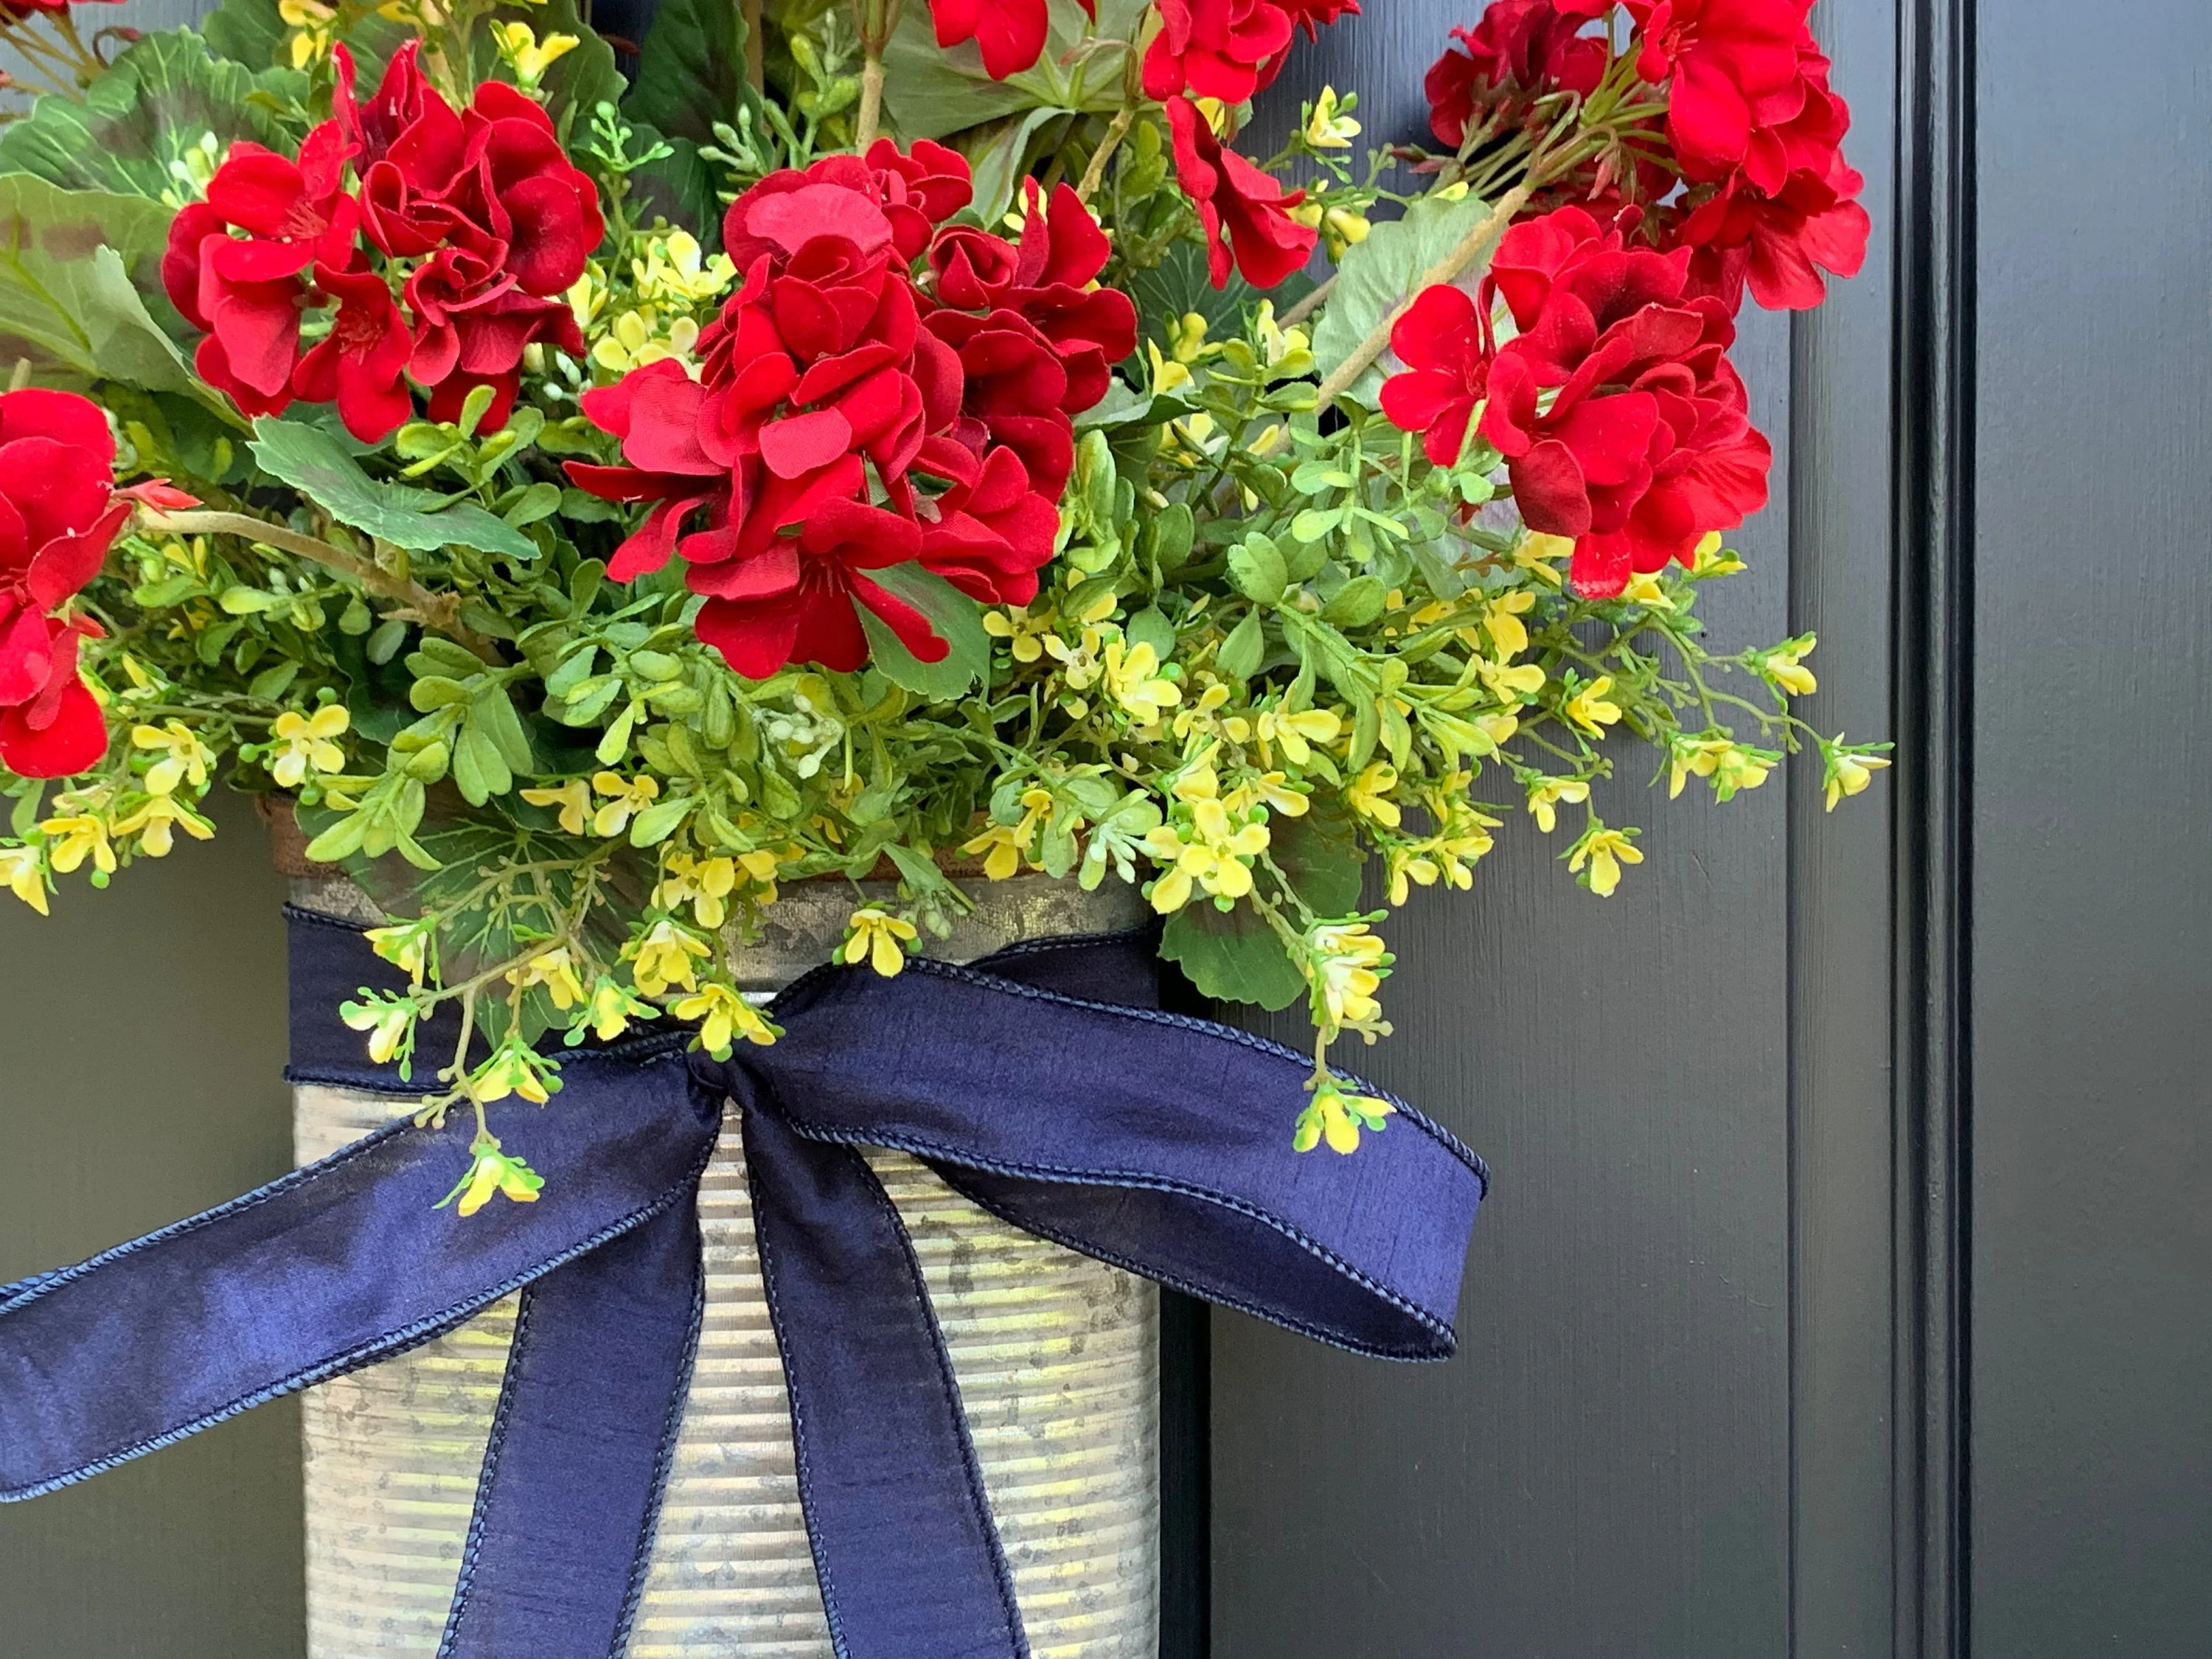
473 322
1241 209
1730 66
1520 48
1010 34
1645 443
1312 14
1440 339
990 533
362 363
1225 49
58 515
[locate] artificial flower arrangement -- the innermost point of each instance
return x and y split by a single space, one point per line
857 442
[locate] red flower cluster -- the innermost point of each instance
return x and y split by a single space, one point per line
1225 49
482 223
1520 48
1010 34
849 417
1245 214
59 514
1622 423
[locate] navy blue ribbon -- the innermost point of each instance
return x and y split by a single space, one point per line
1044 1084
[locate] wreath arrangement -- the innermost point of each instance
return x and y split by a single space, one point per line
856 441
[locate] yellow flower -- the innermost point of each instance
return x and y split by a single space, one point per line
1784 665
1512 684
1605 851
1288 351
626 797
1847 775
1712 560
879 939
307 744
554 969
676 268
406 947
574 798
21 873
705 885
184 757
1589 710
1273 790
157 822
1348 965
724 1016
609 1009
1329 127
1133 677
529 55
1730 767
1211 854
1023 633
494 1171
1295 734
73 839
664 958
387 1025
1502 618
1546 794
1342 228
1644 589
1167 373
1537 552
1369 793
311 24
1336 1117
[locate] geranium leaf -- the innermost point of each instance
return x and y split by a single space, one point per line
313 462
168 94
691 70
1179 285
1232 955
931 91
1379 275
959 621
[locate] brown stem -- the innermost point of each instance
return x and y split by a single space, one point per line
1305 308
1470 248
1095 174
756 48
875 36
438 611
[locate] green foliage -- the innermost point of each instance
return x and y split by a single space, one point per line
1382 273
691 70
931 92
74 266
168 101
316 464
956 618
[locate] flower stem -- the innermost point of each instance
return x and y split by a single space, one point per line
1470 248
1095 174
875 34
438 611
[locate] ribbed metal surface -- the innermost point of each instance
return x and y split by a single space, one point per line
1057 1357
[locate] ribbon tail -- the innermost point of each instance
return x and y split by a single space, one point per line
588 1419
909 1559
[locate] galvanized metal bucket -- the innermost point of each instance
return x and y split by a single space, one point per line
1057 1357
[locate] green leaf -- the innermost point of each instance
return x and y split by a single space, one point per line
930 91
164 96
313 461
1257 568
1000 154
1379 275
1240 655
1232 955
1180 284
72 266
691 70
959 621
1356 604
680 187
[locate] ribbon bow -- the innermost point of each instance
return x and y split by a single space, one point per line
1042 1083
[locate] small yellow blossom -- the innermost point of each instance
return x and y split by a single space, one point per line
878 938
1337 1117
676 269
574 798
494 1171
406 947
309 744
72 839
1588 709
625 798
1513 684
1329 127
1847 775
609 1010
1784 665
387 1023
157 822
1295 734
184 758
1546 796
1288 351
554 969
1605 851
1645 589
22 874
705 885
723 1016
663 957
1023 634
1349 963
313 26
528 56
1004 846
1712 560
1370 794
1537 553
1133 678
1501 618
